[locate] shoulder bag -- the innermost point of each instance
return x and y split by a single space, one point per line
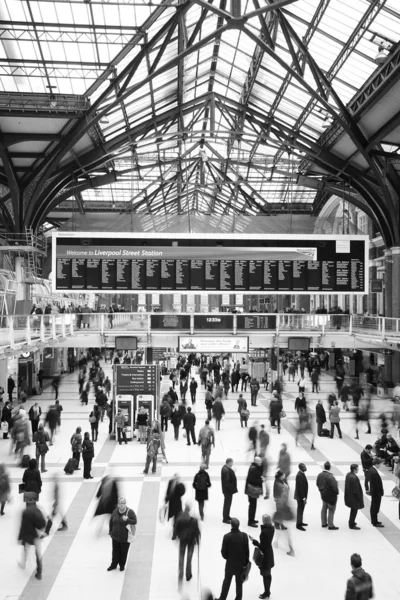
244 573
254 491
258 557
396 492
131 529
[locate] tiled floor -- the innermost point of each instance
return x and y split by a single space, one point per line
75 561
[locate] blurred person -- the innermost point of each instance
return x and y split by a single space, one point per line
55 384
55 509
235 550
235 378
188 532
76 445
209 401
120 423
359 586
242 406
6 418
34 416
300 402
353 496
94 424
121 534
40 439
176 420
206 440
253 437
229 487
390 450
201 483
10 388
315 380
193 390
254 489
173 497
32 479
376 491
275 409
58 408
52 419
283 511
328 488
301 495
366 462
302 386
263 440
4 488
344 395
396 473
165 414
265 545
107 495
254 389
284 460
142 423
189 422
32 522
153 446
335 419
291 371
183 388
245 377
87 455
320 416
218 412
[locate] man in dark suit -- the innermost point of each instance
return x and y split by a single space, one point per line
300 495
235 550
376 490
229 487
366 461
353 496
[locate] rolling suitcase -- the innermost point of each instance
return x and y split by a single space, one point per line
71 466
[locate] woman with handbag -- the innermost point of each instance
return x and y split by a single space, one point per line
253 489
283 510
264 554
40 438
121 523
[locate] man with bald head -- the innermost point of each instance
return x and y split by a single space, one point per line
300 495
235 550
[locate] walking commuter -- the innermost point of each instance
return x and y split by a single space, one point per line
284 461
189 422
366 462
153 446
320 416
209 401
4 487
315 380
176 420
254 389
87 455
29 533
193 390
301 495
10 388
235 550
165 414
229 487
265 545
183 388
56 384
263 440
353 496
142 422
40 439
254 489
329 491
245 377
335 419
55 509
120 529
188 532
376 491
218 412
34 416
107 494
344 395
52 418
291 371
58 408
359 586
173 497
301 385
283 511
76 445
275 409
206 440
32 479
120 423
94 424
201 483
242 410
300 402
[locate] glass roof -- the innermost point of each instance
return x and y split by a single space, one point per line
222 129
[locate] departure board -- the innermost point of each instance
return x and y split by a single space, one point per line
170 321
216 321
226 263
256 322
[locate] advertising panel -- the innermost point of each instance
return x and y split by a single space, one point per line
213 344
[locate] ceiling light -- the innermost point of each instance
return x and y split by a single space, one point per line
104 120
382 55
326 123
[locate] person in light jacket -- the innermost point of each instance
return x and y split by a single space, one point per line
121 518
335 419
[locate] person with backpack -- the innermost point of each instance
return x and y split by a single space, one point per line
201 483
153 446
188 532
254 388
40 439
206 439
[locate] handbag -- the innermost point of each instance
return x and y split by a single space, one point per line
253 491
245 570
21 488
396 492
258 557
282 414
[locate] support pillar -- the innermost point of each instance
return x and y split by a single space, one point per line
302 302
395 358
388 305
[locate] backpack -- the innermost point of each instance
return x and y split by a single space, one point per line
325 432
201 483
206 441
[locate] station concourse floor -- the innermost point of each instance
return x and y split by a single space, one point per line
75 561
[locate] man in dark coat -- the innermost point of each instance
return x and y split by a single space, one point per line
359 586
329 491
254 388
301 495
10 387
188 532
32 521
229 487
376 489
320 416
366 461
275 408
235 550
253 489
353 496
189 421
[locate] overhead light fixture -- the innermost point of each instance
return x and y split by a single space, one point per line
382 55
104 120
326 123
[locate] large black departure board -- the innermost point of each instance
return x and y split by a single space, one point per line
237 263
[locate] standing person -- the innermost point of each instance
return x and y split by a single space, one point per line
142 422
265 545
34 416
300 403
253 437
201 483
235 550
94 424
56 509
335 419
32 479
301 495
206 440
275 409
353 496
189 422
344 395
329 491
284 461
188 533
40 377
173 497
301 385
120 423
183 388
366 462
87 456
58 408
254 489
229 487
292 371
153 446
208 401
10 388
359 586
31 523
376 491
121 522
6 418
320 416
76 445
315 380
254 389
193 390
56 384
242 406
283 511
176 420
40 439
4 487
263 439
165 414
245 377
218 412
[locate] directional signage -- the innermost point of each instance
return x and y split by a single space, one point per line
256 322
136 379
